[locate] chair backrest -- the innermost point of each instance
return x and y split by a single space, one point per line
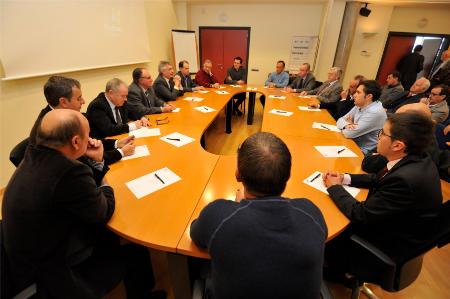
3 282
18 152
318 83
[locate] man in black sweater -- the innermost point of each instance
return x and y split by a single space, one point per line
263 245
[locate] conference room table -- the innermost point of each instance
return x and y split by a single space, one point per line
161 220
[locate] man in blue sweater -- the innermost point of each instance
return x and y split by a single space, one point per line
263 245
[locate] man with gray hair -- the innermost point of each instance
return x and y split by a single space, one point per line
108 114
167 85
205 77
415 93
54 233
330 90
262 234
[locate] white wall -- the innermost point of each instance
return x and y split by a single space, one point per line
359 64
272 28
22 100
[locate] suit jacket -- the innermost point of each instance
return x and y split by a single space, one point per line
442 76
328 93
409 66
439 112
401 208
308 83
391 93
164 91
139 104
186 82
392 106
340 108
101 118
110 154
52 211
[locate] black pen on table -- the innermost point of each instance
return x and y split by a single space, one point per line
314 178
175 139
160 179
325 127
281 111
205 108
341 150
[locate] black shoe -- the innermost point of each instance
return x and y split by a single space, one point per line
238 112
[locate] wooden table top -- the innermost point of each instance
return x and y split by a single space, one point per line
162 219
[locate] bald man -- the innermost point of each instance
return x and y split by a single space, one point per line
415 93
54 218
373 163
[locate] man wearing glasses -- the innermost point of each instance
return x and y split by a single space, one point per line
437 102
404 197
364 120
141 99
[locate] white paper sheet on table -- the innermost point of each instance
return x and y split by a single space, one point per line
177 139
326 127
222 92
277 97
139 151
307 97
281 112
236 85
193 99
202 91
145 132
222 87
335 151
205 109
149 183
315 180
176 109
252 88
306 108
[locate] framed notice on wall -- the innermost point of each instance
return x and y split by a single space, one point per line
303 49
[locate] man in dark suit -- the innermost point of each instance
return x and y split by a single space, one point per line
374 162
108 114
54 232
305 81
404 199
167 87
65 93
340 108
185 75
410 65
141 99
442 73
415 93
262 234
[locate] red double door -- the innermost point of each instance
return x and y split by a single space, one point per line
221 45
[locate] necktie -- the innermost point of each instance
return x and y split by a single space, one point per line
323 89
147 97
186 82
300 86
118 118
382 173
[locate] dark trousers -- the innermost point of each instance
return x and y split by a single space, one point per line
239 98
263 100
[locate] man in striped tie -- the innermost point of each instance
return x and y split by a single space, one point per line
330 90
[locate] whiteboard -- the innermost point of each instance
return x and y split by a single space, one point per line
57 36
303 49
185 48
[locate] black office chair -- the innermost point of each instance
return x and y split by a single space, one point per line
318 83
18 152
393 276
5 291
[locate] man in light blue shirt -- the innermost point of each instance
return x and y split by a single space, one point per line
366 119
279 78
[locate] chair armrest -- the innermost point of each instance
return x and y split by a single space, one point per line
376 252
